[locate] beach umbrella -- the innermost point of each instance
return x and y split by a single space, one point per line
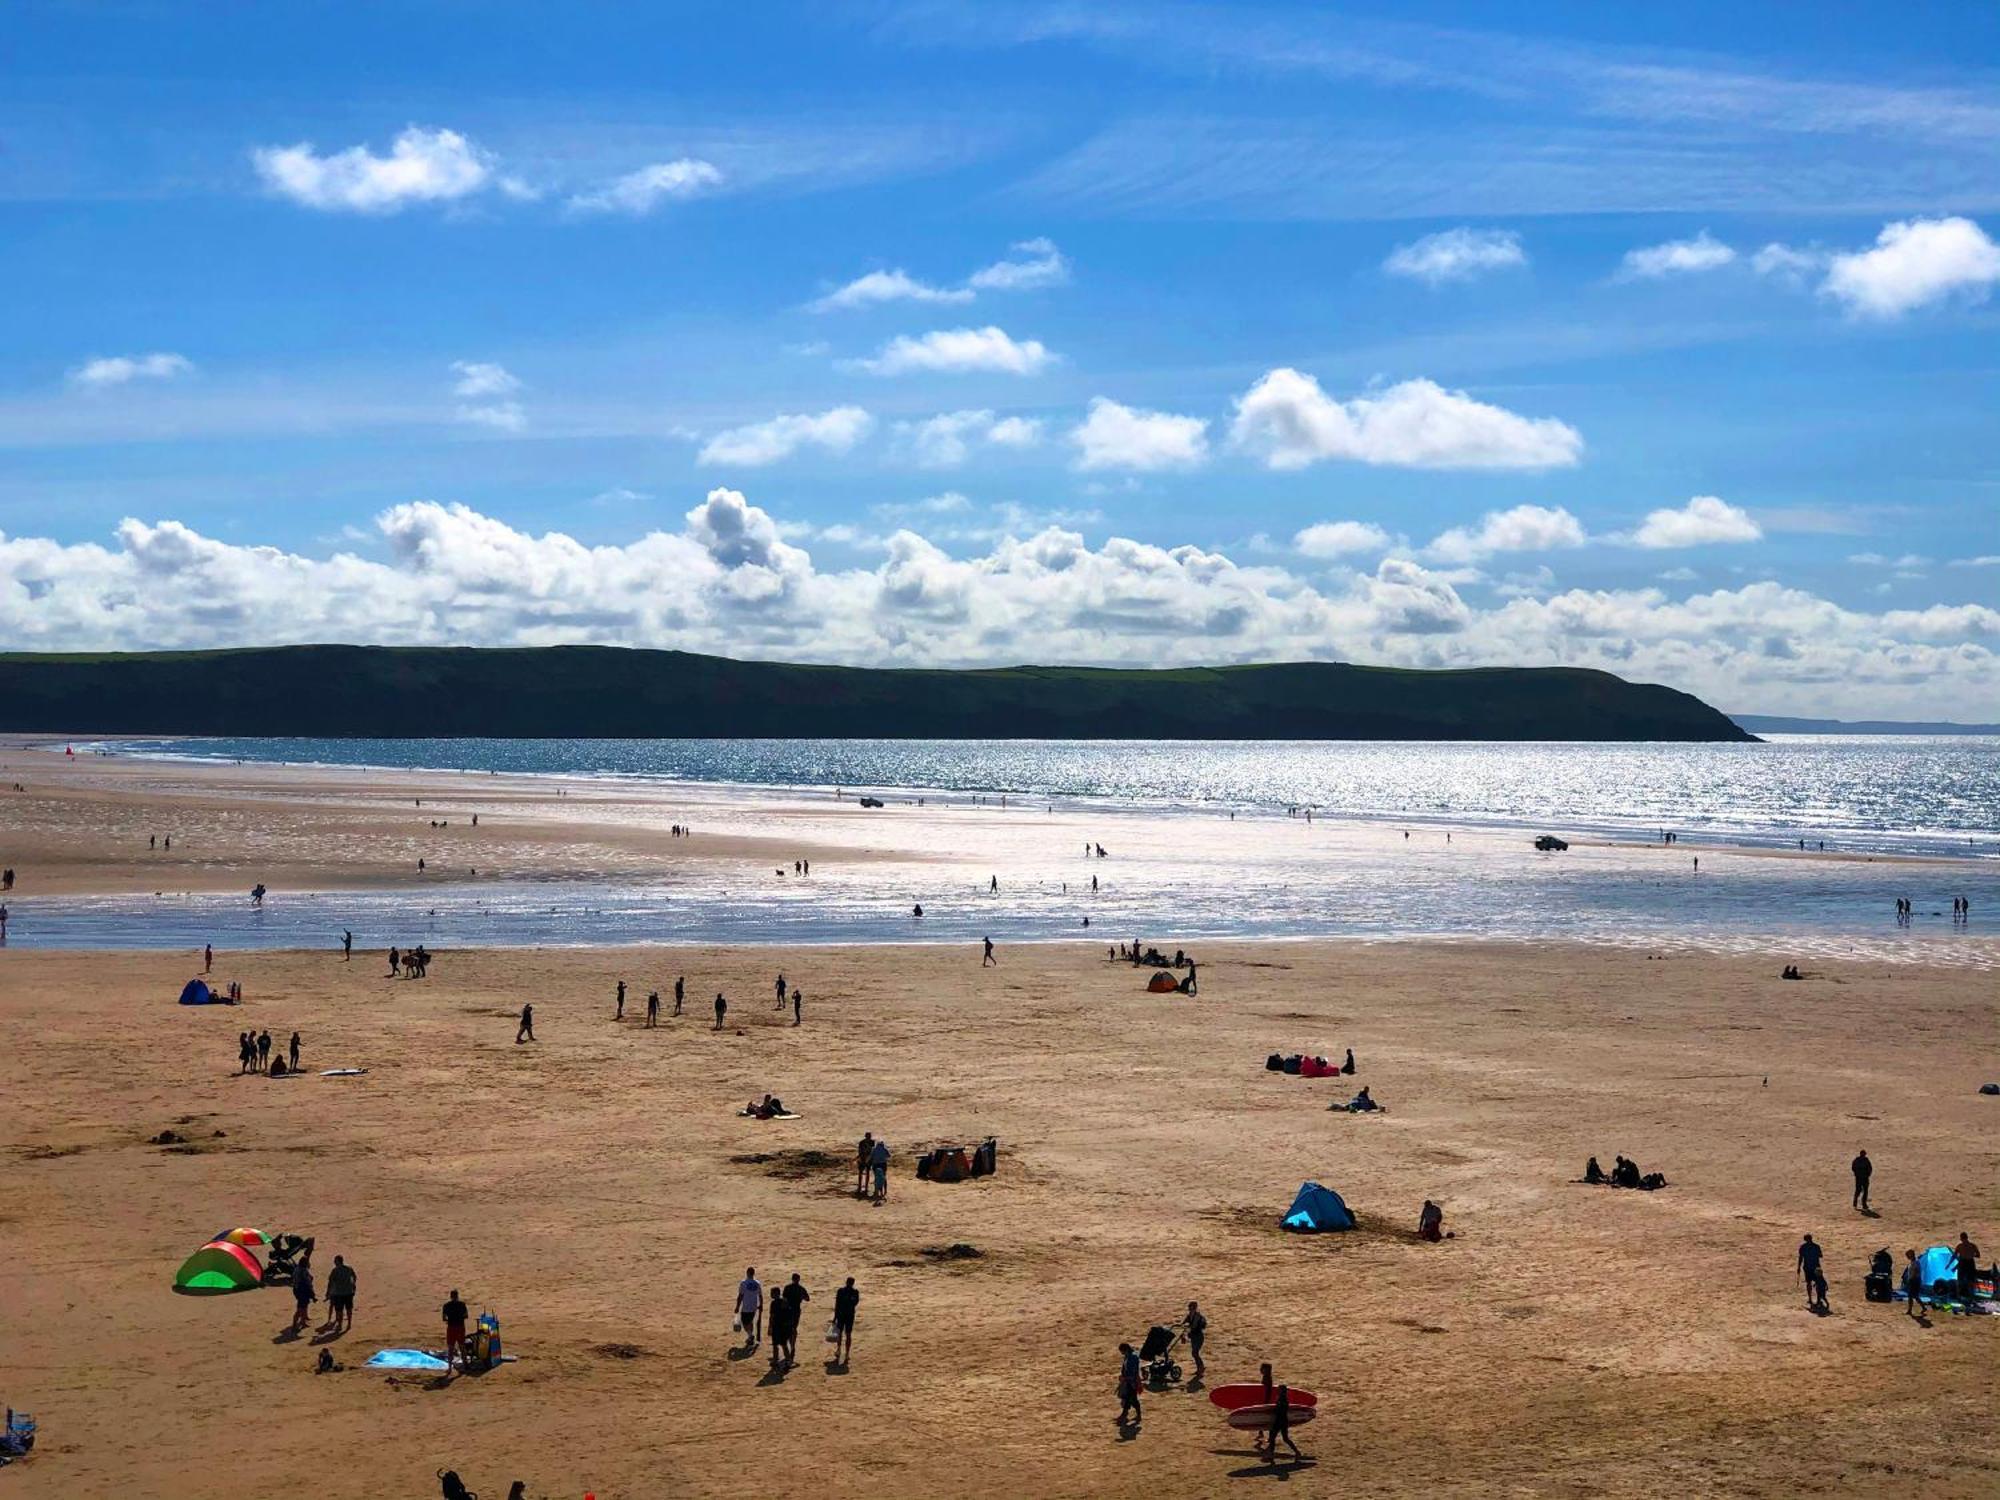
218 1267
241 1237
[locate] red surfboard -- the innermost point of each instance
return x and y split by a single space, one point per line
1236 1397
1258 1418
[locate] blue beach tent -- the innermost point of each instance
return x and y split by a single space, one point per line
1318 1209
1934 1265
197 993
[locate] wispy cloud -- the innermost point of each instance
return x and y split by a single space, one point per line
485 393
122 369
958 351
1676 258
1456 255
1038 264
760 443
639 192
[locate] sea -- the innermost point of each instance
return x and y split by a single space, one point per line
1206 839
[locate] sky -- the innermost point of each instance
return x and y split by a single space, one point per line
916 332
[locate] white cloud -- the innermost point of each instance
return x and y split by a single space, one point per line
640 192
1039 264
504 416
1456 255
946 440
1787 263
1289 422
122 369
1915 262
1525 528
727 580
483 391
1114 436
1703 520
836 430
1677 258
1341 539
955 351
423 166
1679 575
1877 560
887 286
1974 562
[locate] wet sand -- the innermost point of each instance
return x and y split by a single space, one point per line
596 1190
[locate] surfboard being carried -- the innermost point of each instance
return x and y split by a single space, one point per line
1236 1397
1258 1418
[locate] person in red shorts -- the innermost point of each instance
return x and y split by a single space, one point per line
454 1330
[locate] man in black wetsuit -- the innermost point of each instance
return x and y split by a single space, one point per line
1814 1278
1863 1170
845 1301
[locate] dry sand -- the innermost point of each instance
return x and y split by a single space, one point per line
597 1192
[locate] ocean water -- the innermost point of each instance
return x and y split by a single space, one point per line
1928 795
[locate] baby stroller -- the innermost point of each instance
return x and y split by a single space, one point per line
286 1253
1158 1353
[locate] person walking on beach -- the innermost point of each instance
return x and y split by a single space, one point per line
988 960
526 1031
795 1297
721 1009
1197 1335
454 1313
1281 1426
652 1009
680 990
1812 1275
621 1002
845 1302
878 1162
207 957
293 1053
750 1307
304 1295
781 992
1128 1386
264 1052
340 1296
864 1155
1913 1285
798 1007
1863 1170
347 947
395 962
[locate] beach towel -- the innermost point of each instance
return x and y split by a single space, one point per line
405 1359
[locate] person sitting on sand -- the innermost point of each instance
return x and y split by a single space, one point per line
1430 1223
1594 1174
1361 1103
1347 1064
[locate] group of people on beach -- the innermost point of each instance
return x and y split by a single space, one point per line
253 1054
411 963
778 1316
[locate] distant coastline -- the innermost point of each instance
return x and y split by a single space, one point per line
1780 724
602 692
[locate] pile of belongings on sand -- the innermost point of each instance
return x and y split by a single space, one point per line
951 1164
1623 1174
1307 1067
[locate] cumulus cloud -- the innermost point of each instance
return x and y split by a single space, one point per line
1035 264
1677 258
122 369
1456 255
836 430
1703 520
887 286
946 440
1289 422
727 580
1113 436
423 166
957 351
1341 539
640 192
1525 528
1914 263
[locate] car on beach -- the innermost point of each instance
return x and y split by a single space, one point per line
1548 843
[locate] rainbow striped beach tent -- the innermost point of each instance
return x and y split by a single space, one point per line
218 1267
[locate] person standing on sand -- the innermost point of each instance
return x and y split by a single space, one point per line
621 1002
207 957
680 990
304 1295
395 962
264 1052
1863 1170
864 1153
653 1009
340 1296
878 1161
293 1051
750 1307
721 1009
1197 1335
526 1032
845 1303
454 1313
246 1052
1813 1276
781 992
798 1007
347 947
1128 1386
989 961
1913 1284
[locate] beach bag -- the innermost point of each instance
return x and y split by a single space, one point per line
1653 1181
833 1330
1292 1063
1274 1064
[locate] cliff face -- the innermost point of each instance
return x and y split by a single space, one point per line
610 692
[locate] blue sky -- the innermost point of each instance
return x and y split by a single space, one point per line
1432 334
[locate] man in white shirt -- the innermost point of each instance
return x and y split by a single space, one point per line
750 1307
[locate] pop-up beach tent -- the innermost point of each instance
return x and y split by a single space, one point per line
1318 1209
197 993
1935 1265
1162 983
218 1267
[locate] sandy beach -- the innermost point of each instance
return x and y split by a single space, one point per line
597 1190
